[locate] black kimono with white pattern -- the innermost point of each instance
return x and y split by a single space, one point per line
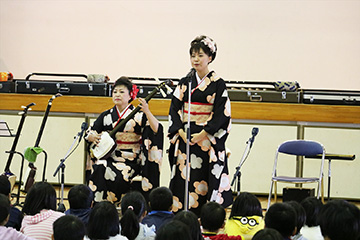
209 179
112 177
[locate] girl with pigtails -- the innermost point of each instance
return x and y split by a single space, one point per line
133 209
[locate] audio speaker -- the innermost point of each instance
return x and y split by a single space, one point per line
297 194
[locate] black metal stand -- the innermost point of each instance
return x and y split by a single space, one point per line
237 175
45 164
17 203
61 206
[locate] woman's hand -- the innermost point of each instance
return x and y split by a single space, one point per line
94 137
154 123
197 137
144 106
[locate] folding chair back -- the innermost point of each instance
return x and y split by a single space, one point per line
298 148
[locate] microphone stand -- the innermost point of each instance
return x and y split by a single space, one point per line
246 153
188 137
61 206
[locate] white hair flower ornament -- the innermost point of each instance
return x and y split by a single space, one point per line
210 43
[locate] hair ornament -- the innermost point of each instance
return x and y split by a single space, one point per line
131 207
134 91
209 43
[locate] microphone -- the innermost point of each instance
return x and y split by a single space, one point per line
84 126
254 132
191 73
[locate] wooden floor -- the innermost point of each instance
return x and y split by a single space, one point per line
263 199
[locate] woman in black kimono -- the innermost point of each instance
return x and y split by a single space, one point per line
210 123
138 150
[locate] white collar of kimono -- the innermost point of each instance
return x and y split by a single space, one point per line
122 113
198 78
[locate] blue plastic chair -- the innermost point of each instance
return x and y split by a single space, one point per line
298 148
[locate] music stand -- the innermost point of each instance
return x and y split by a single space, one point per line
329 157
5 131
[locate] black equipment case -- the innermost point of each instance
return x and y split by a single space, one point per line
146 85
256 91
7 87
331 97
68 87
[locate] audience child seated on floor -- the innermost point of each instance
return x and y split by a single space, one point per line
161 200
173 230
300 219
281 217
340 220
246 217
212 218
104 223
80 199
68 227
133 209
192 222
15 214
40 211
267 234
311 229
8 233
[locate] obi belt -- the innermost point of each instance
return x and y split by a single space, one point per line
200 112
128 140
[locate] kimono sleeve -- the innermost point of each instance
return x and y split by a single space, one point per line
152 148
99 126
104 121
177 102
221 115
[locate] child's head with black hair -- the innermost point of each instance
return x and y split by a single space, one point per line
191 220
339 219
300 213
281 217
267 234
4 209
133 209
103 221
246 204
80 197
174 230
161 199
212 216
5 186
41 196
68 227
312 207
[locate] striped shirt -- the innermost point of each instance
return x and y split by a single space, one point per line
39 226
